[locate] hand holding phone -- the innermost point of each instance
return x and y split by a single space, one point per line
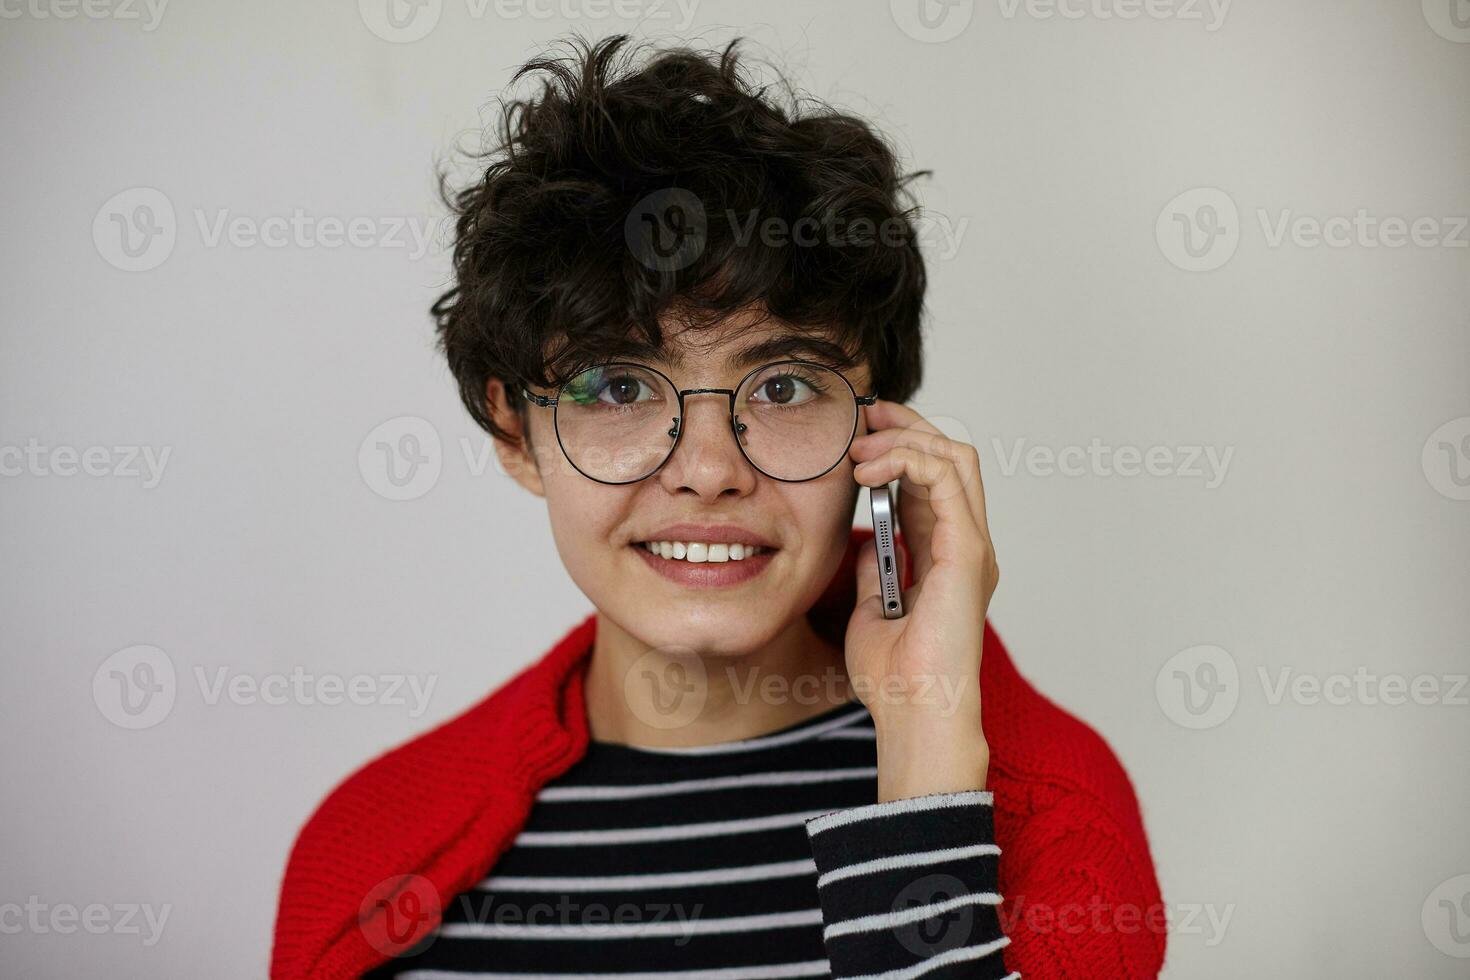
951 576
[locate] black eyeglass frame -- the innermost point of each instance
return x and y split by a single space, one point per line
676 432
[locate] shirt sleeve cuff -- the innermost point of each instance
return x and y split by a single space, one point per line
910 886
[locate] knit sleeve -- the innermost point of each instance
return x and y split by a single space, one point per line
1083 900
911 885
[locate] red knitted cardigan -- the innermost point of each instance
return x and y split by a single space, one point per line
431 817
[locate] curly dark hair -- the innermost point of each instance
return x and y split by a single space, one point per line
630 189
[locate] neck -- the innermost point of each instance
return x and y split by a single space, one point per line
639 695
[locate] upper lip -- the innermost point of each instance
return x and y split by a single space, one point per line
710 533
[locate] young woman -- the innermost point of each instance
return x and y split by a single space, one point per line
689 317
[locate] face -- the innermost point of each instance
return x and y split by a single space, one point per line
706 494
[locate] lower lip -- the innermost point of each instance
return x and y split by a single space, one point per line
704 574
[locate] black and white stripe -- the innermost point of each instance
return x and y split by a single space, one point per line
754 860
908 888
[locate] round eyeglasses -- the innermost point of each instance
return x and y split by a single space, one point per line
617 423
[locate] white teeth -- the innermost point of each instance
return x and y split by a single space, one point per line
702 551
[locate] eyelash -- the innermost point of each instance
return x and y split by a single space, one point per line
618 408
793 372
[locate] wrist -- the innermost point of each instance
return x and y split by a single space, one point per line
920 756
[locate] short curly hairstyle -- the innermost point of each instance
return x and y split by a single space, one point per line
633 187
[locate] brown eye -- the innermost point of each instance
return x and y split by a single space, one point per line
614 386
780 390
623 390
788 389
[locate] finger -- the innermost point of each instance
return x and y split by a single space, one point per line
943 494
867 571
982 516
869 588
884 414
916 520
963 455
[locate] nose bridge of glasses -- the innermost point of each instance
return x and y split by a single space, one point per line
684 394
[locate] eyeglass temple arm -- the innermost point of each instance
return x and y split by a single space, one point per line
866 399
545 401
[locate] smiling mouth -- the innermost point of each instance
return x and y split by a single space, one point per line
705 564
703 552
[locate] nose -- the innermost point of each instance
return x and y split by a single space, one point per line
707 461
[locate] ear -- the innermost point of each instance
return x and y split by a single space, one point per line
517 460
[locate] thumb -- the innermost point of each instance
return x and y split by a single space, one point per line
869 587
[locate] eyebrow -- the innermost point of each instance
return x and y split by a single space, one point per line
781 347
785 346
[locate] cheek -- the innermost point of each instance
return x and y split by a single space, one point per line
583 514
588 520
823 511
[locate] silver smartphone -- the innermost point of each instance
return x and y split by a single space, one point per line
885 526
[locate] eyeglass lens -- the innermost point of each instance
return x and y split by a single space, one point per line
617 422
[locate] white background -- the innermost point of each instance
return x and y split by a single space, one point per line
1334 542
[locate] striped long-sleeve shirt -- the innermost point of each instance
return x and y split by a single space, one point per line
753 860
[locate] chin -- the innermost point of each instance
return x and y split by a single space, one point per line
712 633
